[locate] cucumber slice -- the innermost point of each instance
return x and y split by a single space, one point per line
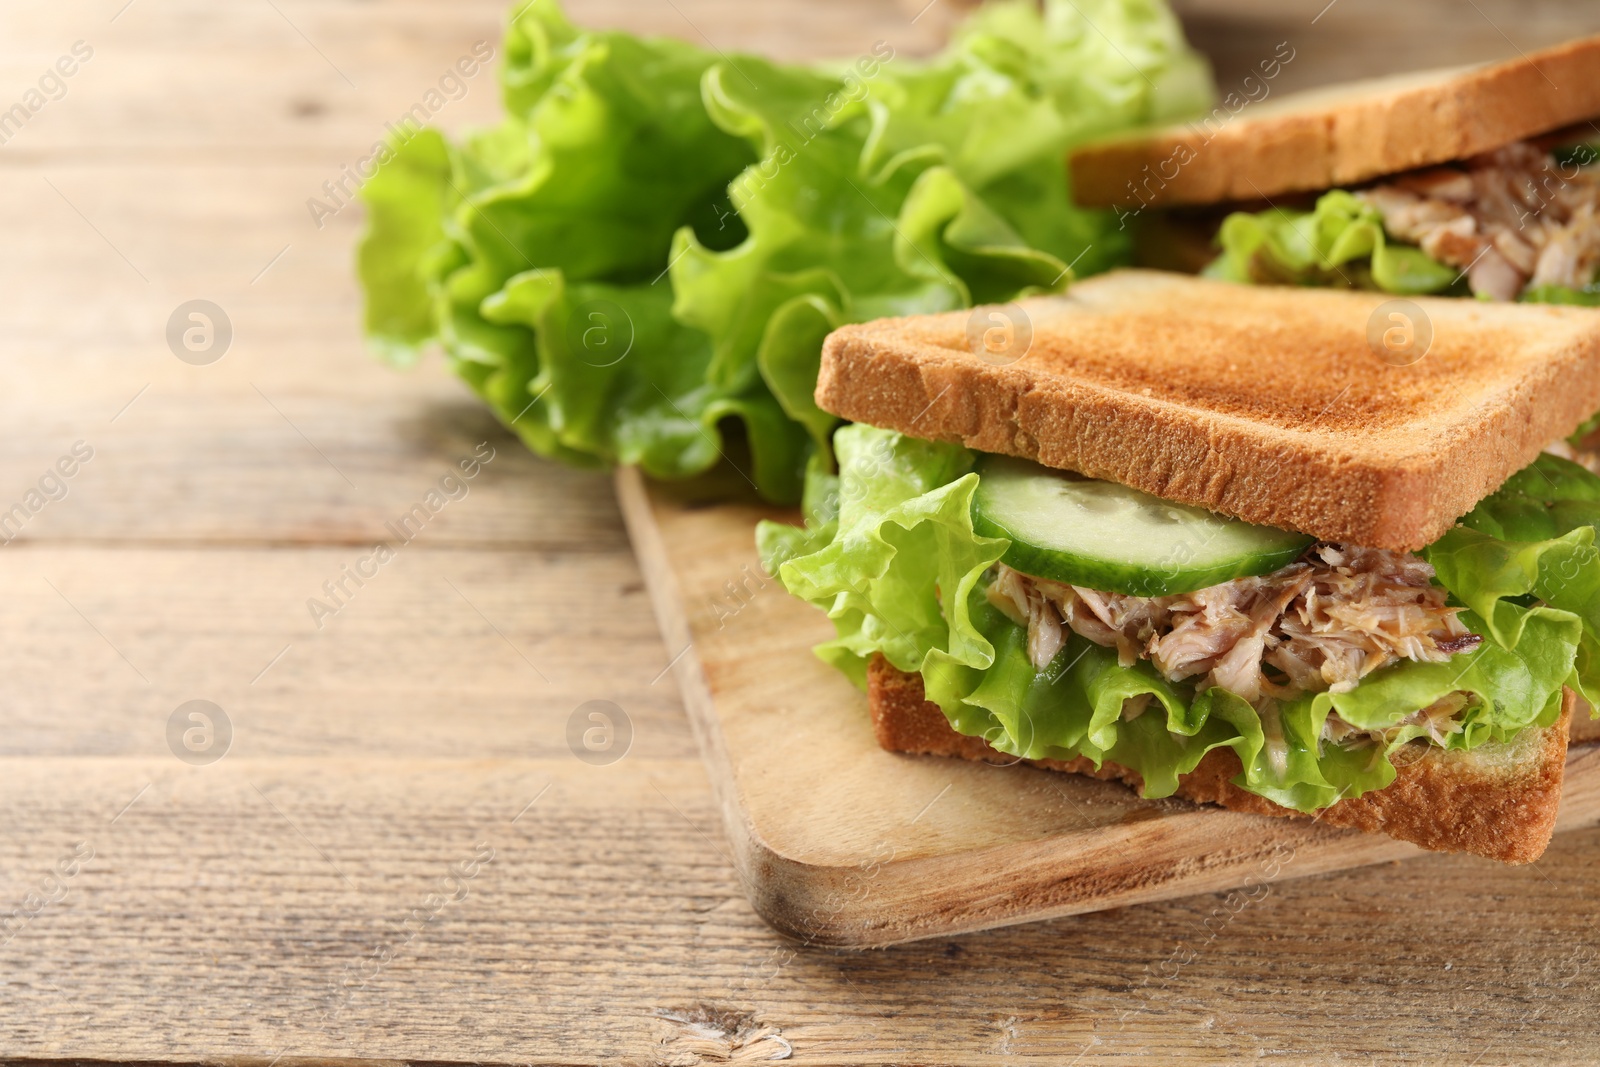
1101 535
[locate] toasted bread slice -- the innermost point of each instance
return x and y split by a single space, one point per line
1263 402
1497 800
1342 135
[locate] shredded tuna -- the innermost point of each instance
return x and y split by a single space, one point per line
1321 623
1015 594
1509 219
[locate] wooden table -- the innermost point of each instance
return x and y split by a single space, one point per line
399 857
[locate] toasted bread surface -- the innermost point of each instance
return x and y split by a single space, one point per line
1497 801
1266 403
1342 135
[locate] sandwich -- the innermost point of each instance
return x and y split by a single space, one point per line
1202 538
1466 182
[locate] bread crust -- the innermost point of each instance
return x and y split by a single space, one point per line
1344 135
1262 402
1445 802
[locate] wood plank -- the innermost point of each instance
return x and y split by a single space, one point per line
104 643
285 466
296 435
841 843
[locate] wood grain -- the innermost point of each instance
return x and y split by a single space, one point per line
611 926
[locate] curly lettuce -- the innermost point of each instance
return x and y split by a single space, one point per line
639 264
890 554
1533 539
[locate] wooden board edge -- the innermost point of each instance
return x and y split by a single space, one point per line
875 905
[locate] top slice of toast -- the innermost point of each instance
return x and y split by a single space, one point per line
1342 135
1280 406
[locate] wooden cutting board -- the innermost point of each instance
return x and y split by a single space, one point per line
838 842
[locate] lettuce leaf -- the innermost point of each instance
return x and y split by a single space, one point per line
1341 242
1533 539
545 278
891 555
648 251
1562 294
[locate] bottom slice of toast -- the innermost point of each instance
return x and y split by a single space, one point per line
1497 800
